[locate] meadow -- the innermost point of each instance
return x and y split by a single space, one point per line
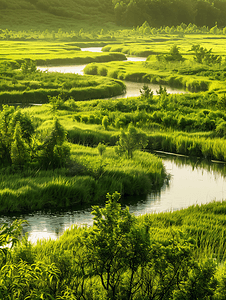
52 53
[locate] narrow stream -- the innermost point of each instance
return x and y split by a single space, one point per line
132 88
192 182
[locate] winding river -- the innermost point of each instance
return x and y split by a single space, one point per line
191 182
132 88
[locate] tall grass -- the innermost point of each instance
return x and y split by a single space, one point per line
87 179
204 223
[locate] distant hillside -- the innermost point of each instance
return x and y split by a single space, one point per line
170 12
41 14
69 14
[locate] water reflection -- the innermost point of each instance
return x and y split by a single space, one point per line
133 89
75 69
192 182
92 49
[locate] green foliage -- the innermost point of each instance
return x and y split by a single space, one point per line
16 130
200 283
128 260
105 122
54 152
19 151
173 56
56 103
204 56
155 256
9 236
130 141
28 66
146 92
108 245
101 148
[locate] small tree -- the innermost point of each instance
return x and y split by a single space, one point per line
56 103
105 122
54 152
101 148
204 56
28 66
146 92
19 150
174 55
161 91
116 247
131 141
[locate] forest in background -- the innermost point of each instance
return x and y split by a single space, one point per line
31 14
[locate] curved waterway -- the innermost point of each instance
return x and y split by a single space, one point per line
132 88
191 182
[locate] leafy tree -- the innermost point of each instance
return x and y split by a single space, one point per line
200 283
9 117
204 56
28 66
19 150
115 245
27 127
131 141
5 133
161 91
105 122
54 152
170 260
56 102
146 92
128 258
174 55
101 148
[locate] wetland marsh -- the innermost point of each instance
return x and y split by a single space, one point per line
60 159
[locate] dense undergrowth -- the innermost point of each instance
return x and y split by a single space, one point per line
175 255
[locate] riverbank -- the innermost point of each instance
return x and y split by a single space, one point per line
189 242
52 53
86 179
36 87
171 74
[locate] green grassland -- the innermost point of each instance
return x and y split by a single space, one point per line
138 45
85 180
154 73
47 53
36 88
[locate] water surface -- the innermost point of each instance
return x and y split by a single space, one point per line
192 182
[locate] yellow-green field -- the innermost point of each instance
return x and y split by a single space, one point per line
42 52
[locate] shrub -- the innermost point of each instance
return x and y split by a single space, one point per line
130 141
